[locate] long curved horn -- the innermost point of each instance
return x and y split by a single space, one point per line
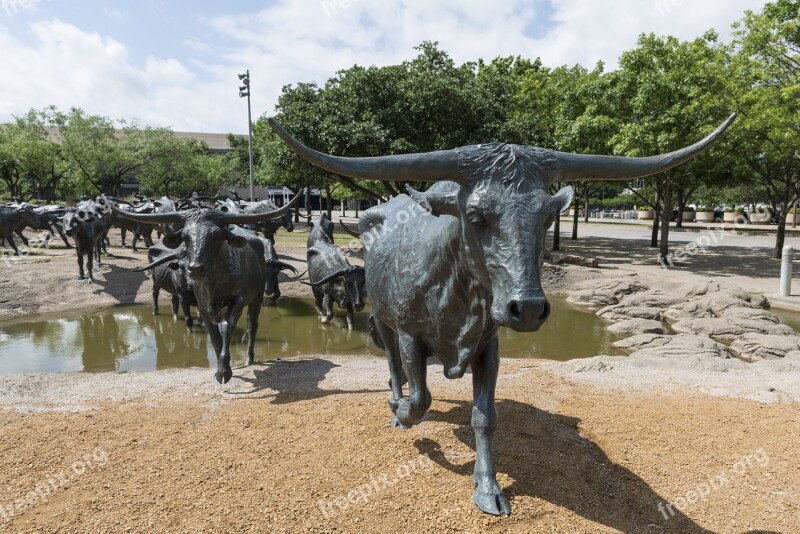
307 217
152 218
588 167
160 261
285 266
330 277
349 231
249 218
424 167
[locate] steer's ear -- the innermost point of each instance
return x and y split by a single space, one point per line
434 202
172 241
563 199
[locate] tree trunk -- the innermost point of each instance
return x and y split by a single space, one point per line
329 203
308 200
679 220
656 221
586 206
358 202
663 250
297 212
654 230
557 233
780 236
575 223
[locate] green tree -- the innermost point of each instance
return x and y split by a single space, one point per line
668 98
30 162
101 153
764 82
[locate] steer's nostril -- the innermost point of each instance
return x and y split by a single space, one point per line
513 310
545 312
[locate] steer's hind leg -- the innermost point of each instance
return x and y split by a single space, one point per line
10 239
413 358
187 312
389 338
328 304
63 236
488 496
81 276
175 305
156 290
22 237
253 310
91 252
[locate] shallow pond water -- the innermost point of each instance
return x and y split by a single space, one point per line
131 338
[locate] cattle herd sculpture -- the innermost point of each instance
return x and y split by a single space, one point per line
444 270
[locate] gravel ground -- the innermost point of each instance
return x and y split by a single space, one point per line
272 451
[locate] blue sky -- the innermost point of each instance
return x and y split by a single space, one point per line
175 63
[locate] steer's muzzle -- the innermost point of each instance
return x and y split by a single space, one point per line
527 315
197 271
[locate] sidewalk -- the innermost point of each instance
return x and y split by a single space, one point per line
687 226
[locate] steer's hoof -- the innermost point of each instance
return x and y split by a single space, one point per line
395 423
402 412
491 500
223 377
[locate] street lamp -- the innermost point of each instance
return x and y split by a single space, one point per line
244 91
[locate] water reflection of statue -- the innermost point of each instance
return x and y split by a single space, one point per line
179 347
103 342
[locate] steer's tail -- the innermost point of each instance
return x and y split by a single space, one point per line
374 334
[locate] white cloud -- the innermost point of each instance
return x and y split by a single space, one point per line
195 88
115 14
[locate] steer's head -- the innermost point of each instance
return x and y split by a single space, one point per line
204 232
287 222
73 219
353 281
29 217
499 193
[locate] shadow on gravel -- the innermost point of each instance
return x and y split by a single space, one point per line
121 284
294 380
548 458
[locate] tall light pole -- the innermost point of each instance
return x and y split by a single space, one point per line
244 91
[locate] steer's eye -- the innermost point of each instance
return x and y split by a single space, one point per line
475 217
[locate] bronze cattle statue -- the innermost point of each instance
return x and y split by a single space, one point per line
227 268
444 279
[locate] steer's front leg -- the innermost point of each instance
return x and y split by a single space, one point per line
488 496
224 372
216 342
409 411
